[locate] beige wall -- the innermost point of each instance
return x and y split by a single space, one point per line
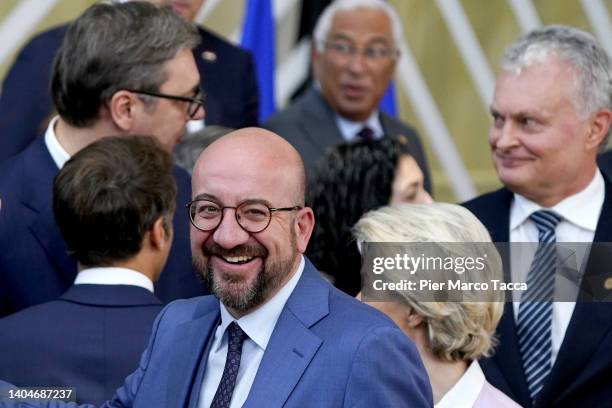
433 48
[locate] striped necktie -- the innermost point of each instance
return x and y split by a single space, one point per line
535 310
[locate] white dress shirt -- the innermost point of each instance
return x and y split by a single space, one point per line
58 153
259 326
580 214
113 276
349 129
465 392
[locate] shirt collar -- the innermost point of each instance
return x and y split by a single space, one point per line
349 129
113 276
58 153
581 209
465 392
260 324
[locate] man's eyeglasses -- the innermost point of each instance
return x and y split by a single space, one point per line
194 103
372 53
252 217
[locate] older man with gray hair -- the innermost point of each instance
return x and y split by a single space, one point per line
122 69
355 50
551 114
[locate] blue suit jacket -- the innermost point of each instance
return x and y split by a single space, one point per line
581 374
34 265
327 350
90 338
227 73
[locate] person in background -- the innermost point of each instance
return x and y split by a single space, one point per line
550 116
450 336
122 69
354 53
227 76
351 179
113 203
189 149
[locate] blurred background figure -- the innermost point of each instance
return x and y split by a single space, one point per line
113 203
354 53
350 180
226 72
450 336
188 150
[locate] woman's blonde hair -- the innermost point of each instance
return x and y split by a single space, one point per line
456 330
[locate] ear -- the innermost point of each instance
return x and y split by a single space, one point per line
599 126
315 60
413 319
159 236
304 225
122 107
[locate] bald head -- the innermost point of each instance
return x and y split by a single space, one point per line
254 154
234 180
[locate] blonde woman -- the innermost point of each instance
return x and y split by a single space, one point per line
450 336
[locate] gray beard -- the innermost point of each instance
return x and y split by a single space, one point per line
246 296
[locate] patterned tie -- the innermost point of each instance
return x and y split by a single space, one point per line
535 310
223 396
366 133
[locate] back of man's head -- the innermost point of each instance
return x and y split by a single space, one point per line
108 195
112 47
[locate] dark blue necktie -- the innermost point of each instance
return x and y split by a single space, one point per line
366 133
223 396
535 310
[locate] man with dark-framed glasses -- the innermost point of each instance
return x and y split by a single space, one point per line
276 334
252 216
122 69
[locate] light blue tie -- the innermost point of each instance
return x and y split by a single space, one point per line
535 310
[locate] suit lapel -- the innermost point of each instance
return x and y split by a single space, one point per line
40 169
591 315
292 345
191 341
206 60
48 236
319 122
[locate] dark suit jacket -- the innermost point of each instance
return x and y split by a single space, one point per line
90 338
309 125
227 73
34 265
604 161
327 350
581 374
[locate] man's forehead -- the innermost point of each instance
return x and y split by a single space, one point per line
373 23
550 77
234 184
182 71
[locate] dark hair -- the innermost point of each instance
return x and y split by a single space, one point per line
350 180
109 194
112 47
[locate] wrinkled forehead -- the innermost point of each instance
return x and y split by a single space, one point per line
540 84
